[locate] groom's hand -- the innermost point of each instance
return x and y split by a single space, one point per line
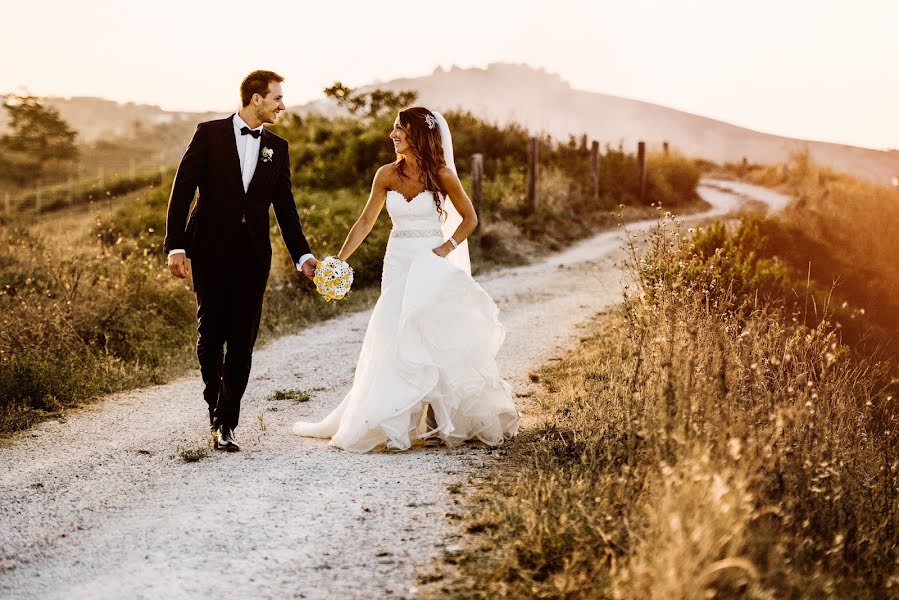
178 265
308 268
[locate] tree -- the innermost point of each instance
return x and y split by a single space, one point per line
373 104
40 144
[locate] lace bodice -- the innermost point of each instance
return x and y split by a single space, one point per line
416 213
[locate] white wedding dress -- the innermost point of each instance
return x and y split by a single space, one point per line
432 340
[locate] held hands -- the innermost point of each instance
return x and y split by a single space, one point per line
308 268
178 265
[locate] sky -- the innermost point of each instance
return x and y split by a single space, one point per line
815 69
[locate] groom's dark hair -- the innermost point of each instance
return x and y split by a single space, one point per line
257 83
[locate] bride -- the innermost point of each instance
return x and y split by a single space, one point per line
427 368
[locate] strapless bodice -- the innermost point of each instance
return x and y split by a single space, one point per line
417 213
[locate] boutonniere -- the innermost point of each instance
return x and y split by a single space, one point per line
267 154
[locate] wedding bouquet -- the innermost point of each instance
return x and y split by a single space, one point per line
333 278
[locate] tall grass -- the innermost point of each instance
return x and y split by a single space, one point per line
72 328
702 443
842 234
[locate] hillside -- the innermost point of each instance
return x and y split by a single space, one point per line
545 102
97 118
540 100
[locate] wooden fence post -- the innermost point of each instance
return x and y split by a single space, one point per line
100 177
477 196
532 173
665 148
641 162
594 169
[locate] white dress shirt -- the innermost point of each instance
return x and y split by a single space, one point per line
247 149
248 152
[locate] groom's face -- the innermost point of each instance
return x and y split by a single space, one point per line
269 107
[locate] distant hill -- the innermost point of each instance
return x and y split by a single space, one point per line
502 92
97 118
542 101
117 135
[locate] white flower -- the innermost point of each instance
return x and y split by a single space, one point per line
431 120
267 154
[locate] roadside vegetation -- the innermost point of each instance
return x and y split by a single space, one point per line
730 431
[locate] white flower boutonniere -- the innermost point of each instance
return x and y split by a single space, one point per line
267 154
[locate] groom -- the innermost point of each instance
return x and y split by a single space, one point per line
240 169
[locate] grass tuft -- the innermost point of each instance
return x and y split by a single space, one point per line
193 454
290 394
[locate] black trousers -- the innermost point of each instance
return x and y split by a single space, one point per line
229 309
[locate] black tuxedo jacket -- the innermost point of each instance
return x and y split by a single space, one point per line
211 165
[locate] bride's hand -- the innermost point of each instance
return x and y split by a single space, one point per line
443 249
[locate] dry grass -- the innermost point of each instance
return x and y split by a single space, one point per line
842 234
840 212
701 444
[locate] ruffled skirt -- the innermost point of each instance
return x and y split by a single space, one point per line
432 340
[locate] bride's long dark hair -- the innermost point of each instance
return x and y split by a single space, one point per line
423 137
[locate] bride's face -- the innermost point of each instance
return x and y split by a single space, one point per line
399 137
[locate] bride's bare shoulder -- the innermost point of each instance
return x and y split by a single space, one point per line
386 174
447 175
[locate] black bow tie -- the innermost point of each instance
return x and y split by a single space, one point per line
254 132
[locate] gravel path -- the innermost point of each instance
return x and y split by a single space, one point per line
100 504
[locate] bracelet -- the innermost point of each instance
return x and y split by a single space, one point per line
454 243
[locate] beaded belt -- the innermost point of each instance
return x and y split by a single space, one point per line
416 233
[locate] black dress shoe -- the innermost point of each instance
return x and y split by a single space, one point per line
225 440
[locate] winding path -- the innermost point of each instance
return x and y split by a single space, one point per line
99 505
